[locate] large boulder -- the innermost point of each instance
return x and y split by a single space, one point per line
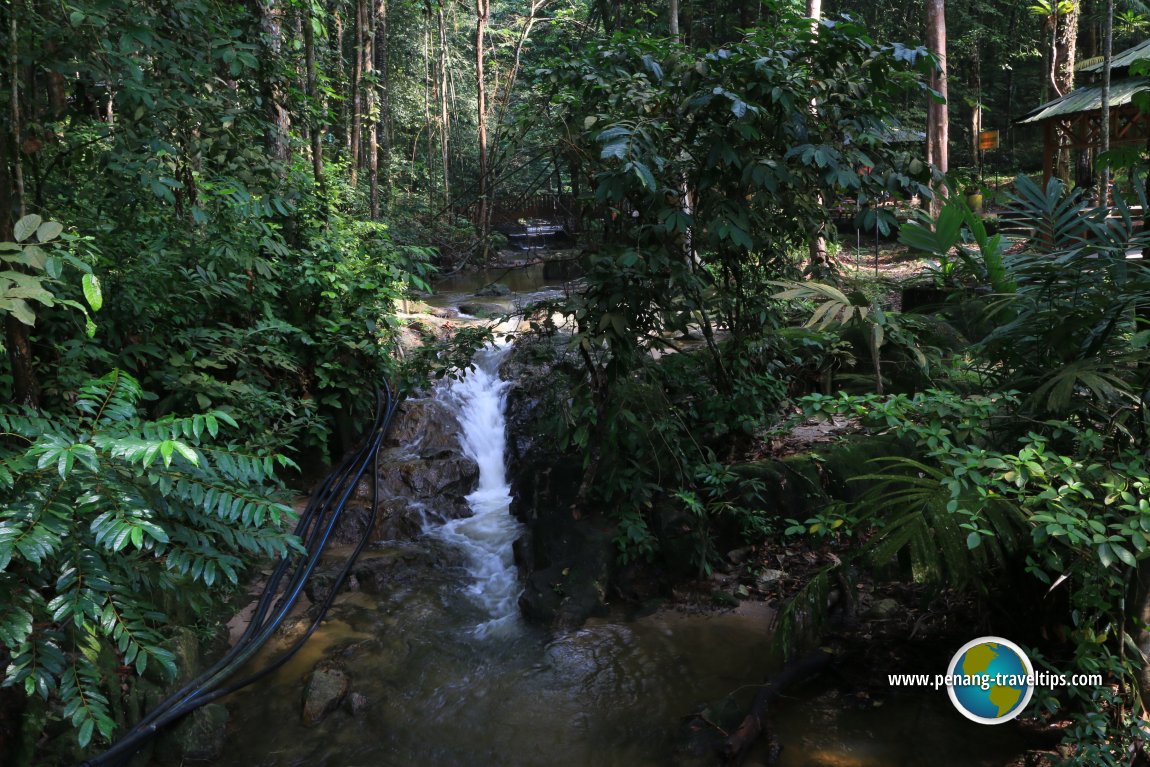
424 476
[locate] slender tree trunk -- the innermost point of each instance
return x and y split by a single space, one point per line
356 117
1065 46
342 126
937 124
25 386
976 111
383 66
314 105
371 93
482 16
1107 57
674 25
444 116
818 243
429 81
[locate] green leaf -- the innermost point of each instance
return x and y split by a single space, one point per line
645 175
92 292
25 227
1124 555
20 310
48 231
85 734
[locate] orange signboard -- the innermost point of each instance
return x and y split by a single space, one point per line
987 139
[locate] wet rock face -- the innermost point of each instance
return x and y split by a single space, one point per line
567 561
423 476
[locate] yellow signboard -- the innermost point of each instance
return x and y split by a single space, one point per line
987 139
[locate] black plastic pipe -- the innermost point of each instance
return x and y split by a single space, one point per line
328 501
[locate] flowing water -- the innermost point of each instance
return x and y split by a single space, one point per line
487 535
445 673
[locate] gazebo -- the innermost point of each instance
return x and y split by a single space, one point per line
1074 121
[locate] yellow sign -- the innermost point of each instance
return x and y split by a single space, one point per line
987 139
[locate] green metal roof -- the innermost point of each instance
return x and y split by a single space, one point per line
1126 58
1087 100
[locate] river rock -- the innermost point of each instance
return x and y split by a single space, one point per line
326 689
425 427
200 736
476 309
885 609
357 703
496 289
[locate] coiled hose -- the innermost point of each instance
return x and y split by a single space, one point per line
314 529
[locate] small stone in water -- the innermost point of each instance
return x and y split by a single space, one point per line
357 702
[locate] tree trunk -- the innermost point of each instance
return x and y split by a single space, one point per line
444 116
818 243
383 66
25 386
314 106
356 117
937 124
1062 72
673 27
341 127
371 93
271 38
482 16
1065 49
1107 57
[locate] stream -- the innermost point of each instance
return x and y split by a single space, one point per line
445 672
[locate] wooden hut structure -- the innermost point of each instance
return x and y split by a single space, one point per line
1074 121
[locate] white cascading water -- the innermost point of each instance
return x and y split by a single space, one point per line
487 535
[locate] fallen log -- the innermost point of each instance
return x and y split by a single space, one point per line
754 723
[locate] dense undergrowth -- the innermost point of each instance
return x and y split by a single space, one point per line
1018 408
207 314
1019 400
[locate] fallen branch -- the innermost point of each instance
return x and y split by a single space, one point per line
754 723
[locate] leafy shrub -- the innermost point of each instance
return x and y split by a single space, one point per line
107 514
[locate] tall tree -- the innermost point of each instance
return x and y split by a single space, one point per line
315 128
356 116
25 386
937 120
269 16
482 17
1065 46
372 103
1107 57
818 245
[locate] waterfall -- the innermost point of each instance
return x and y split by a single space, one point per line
487 535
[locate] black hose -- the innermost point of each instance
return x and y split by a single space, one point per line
328 501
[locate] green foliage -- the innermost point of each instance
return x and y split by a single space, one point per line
1064 497
106 515
712 169
33 264
955 226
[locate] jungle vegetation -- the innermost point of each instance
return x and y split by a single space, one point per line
209 211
